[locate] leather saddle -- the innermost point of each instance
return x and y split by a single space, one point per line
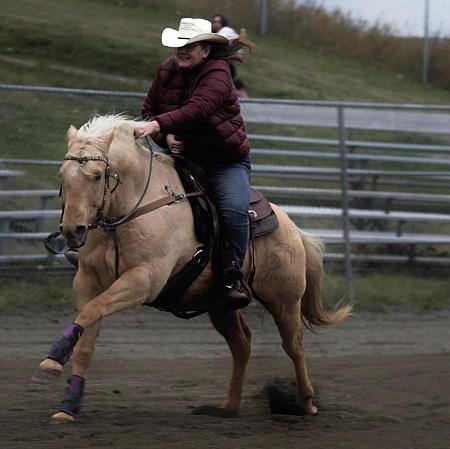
262 221
262 218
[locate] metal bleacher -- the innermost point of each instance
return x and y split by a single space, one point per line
381 216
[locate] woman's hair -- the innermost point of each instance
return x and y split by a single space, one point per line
234 51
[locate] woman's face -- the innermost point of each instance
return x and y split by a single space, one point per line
216 24
191 55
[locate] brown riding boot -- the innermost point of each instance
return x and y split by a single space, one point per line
237 294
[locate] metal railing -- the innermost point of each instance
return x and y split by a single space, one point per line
342 117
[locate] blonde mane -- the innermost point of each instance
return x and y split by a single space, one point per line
97 128
99 125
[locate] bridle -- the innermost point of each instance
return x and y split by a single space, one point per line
101 222
99 218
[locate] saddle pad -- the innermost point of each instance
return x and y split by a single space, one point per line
266 225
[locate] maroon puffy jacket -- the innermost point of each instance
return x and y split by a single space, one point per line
200 106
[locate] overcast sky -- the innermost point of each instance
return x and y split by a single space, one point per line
407 16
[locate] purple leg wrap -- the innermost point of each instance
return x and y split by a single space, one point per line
73 400
74 330
61 350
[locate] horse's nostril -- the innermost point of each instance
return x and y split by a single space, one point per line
80 231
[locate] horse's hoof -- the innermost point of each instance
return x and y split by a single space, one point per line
212 410
48 371
62 417
307 407
51 365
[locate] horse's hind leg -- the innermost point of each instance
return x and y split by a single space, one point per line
288 321
231 325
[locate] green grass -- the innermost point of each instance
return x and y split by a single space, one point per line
381 292
123 38
375 292
106 39
36 294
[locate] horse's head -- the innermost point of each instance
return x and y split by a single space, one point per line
103 144
84 181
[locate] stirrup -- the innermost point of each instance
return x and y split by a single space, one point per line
235 298
237 295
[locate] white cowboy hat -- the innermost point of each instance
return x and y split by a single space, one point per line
190 31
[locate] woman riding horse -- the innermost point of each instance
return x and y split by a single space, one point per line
192 108
289 261
192 97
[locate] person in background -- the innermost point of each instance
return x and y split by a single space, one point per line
192 108
221 26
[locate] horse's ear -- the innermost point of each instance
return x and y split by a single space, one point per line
71 133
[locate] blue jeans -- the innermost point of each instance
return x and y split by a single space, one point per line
229 187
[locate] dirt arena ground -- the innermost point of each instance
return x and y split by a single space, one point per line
382 381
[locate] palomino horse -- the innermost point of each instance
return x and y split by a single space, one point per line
156 245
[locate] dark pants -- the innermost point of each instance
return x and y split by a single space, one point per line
229 187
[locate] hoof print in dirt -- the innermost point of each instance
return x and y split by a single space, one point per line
283 399
212 410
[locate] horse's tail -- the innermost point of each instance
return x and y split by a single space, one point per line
311 304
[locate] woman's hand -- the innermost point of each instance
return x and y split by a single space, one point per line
175 146
146 128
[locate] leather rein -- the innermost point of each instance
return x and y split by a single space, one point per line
101 222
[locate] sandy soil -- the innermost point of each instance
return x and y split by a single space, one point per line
382 381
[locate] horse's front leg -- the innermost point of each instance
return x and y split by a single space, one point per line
70 406
86 288
132 288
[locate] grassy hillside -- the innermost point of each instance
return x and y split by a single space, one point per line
92 43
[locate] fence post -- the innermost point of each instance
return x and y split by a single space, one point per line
426 43
263 16
345 203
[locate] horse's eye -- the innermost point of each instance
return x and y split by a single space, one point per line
98 176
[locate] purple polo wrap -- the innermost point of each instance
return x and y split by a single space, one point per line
73 331
76 384
71 404
61 350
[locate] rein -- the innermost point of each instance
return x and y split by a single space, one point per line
110 226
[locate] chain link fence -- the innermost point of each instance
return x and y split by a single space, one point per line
372 180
